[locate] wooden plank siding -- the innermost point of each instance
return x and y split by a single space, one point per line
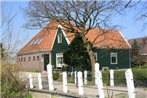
103 55
58 47
104 59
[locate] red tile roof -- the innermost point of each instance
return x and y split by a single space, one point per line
47 34
106 39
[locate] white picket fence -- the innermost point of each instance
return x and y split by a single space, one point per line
98 81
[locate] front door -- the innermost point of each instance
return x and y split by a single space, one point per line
46 61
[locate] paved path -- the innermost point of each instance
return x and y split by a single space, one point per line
92 91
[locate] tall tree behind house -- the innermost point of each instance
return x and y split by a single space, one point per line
136 58
75 16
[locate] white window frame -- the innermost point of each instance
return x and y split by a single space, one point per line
113 55
58 55
95 54
59 38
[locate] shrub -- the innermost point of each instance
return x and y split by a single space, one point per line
56 75
12 85
140 77
89 76
105 77
119 77
144 66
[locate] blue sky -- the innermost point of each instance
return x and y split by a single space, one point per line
128 25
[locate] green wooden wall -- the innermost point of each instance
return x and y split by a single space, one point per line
103 55
58 47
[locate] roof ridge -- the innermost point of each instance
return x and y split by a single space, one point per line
138 38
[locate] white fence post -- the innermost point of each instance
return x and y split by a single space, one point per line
130 83
39 81
100 84
85 77
80 83
50 77
96 70
75 74
65 90
30 80
111 77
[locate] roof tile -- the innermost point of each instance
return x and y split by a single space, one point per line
101 38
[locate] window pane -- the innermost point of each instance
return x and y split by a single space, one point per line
29 59
113 58
33 58
37 57
59 38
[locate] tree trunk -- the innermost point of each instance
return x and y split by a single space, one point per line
91 56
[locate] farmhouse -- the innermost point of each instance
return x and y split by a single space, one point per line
112 50
142 43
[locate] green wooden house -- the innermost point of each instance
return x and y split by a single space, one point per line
112 50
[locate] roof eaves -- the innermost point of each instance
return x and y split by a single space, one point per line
34 51
125 39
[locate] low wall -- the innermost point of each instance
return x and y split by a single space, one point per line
51 94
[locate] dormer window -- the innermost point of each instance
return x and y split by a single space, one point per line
59 38
36 41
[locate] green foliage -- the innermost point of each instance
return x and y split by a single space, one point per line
136 57
76 55
119 77
56 75
144 66
140 76
89 76
70 79
28 95
105 77
12 85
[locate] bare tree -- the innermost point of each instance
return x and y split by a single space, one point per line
10 39
75 16
12 85
142 13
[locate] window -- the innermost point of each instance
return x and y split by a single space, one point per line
18 59
21 59
95 54
39 41
24 59
33 58
36 41
59 38
59 59
37 58
113 58
31 43
29 58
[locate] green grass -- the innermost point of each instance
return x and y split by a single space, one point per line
28 95
145 89
120 95
144 66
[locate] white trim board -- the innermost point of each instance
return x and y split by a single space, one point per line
124 39
59 26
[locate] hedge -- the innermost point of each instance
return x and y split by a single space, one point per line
140 77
